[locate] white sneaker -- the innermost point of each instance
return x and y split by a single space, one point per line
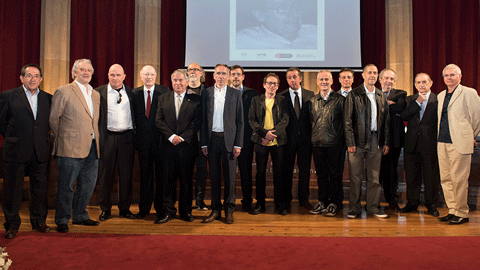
380 214
331 210
318 209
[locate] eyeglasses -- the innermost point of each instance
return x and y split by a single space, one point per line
29 76
272 83
193 69
119 98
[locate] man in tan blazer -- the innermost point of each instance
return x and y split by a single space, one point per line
74 121
458 125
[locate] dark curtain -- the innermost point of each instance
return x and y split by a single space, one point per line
173 43
445 32
104 32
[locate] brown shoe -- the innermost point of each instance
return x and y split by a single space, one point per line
212 217
11 233
229 218
43 228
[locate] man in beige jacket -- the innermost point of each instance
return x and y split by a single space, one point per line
74 121
458 125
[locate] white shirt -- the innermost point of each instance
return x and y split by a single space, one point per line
345 92
373 107
175 96
119 116
33 100
328 94
145 95
87 93
218 107
292 96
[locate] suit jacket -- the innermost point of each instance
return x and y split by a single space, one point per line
421 135
189 118
463 117
145 126
232 118
397 128
257 114
247 95
71 122
298 129
23 134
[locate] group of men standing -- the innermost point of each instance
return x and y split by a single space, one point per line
97 131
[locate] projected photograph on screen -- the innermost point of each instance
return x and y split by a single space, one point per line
277 30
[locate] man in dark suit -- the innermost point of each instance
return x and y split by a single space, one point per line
388 169
24 113
237 75
420 156
179 119
221 138
148 141
299 132
116 128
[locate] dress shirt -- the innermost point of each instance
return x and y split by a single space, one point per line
175 97
145 95
87 93
373 107
292 96
119 116
33 100
218 106
328 94
345 92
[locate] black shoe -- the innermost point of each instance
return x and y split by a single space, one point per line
258 209
105 215
187 217
457 220
212 217
307 205
282 212
200 205
62 228
87 222
393 206
164 219
11 233
446 218
141 215
432 210
409 208
127 214
43 228
247 207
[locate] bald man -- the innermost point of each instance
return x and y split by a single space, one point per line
116 125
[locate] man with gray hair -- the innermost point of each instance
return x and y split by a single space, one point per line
74 121
458 125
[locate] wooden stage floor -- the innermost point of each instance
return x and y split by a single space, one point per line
298 223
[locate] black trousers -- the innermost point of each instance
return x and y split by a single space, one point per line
119 150
418 166
303 153
13 177
389 175
245 166
179 167
200 176
261 156
219 158
329 167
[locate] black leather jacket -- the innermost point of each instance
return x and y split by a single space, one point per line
256 119
357 115
327 120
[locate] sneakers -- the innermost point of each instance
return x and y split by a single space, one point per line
318 209
331 210
380 214
352 214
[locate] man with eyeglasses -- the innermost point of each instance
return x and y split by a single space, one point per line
116 126
221 139
74 121
196 77
148 142
280 27
24 113
458 125
237 75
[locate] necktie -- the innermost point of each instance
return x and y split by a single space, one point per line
297 105
422 109
149 104
179 104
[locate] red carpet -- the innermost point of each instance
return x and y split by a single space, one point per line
32 250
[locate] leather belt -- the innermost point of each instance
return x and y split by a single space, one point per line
218 134
120 132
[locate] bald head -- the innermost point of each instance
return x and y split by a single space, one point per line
116 75
148 76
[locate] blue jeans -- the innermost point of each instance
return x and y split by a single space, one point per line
83 171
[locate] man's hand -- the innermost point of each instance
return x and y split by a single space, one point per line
270 136
205 151
265 142
421 98
176 140
352 149
236 152
385 149
390 102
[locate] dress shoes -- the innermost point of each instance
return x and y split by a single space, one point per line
282 212
393 206
11 233
446 218
229 218
127 214
62 228
246 207
187 217
212 217
432 210
458 220
307 205
258 209
105 215
164 219
43 228
409 208
141 215
87 222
